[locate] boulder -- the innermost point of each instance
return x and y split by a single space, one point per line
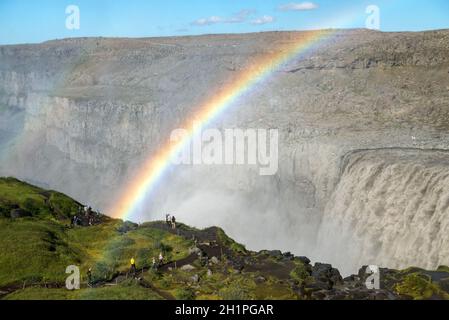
304 260
288 256
272 253
187 267
214 260
194 250
325 275
236 265
275 253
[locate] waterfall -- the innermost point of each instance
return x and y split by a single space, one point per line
390 208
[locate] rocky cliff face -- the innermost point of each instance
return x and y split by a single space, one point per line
81 115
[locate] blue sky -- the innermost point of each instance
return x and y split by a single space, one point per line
30 21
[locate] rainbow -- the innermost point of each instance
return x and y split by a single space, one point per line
259 70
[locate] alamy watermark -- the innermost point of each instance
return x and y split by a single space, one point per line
373 280
258 147
73 280
73 18
373 20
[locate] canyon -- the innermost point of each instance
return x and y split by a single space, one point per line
363 121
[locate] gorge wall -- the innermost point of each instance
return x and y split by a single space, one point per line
81 115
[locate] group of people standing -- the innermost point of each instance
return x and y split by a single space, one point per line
88 214
170 221
154 264
85 217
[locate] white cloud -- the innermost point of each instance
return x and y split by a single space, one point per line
240 17
303 6
207 21
263 20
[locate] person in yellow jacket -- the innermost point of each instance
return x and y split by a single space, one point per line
133 267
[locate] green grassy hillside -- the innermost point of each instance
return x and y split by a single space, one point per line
38 242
